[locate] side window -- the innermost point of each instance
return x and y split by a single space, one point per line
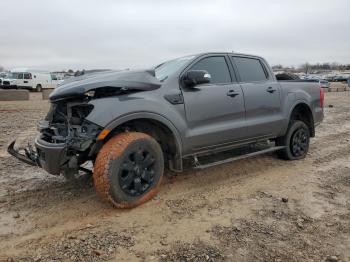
20 76
27 76
216 67
250 69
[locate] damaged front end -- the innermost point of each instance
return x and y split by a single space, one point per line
66 140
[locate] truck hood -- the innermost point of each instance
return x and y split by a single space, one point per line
143 80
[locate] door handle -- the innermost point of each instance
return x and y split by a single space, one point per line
271 89
232 93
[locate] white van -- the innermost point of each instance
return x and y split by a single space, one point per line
31 80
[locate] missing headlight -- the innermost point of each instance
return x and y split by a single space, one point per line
79 113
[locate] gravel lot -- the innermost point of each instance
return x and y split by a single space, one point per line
258 209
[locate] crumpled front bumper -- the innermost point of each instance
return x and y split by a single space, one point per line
51 157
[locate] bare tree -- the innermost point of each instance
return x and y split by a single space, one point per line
1 68
277 67
305 67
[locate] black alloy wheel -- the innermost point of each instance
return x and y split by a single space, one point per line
296 141
137 171
299 143
128 170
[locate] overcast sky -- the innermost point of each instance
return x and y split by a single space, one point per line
62 34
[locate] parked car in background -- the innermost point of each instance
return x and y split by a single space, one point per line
31 80
2 76
341 78
312 77
329 78
290 76
324 83
9 81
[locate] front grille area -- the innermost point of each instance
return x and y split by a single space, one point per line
6 83
55 128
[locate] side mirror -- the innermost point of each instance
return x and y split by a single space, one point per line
196 77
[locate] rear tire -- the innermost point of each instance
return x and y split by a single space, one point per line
296 141
38 88
129 169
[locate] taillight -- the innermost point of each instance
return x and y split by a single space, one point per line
30 76
321 97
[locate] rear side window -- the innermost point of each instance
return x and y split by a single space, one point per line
217 67
20 76
27 76
250 69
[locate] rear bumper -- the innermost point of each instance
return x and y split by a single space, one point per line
318 115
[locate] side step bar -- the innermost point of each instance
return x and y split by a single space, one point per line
228 160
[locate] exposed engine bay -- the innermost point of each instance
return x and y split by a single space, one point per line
65 123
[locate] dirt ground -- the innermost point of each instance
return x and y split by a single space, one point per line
257 209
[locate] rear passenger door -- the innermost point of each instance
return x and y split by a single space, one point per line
214 111
19 81
27 80
262 97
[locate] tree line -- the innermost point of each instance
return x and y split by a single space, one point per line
306 67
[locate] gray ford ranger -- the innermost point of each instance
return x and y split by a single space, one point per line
133 124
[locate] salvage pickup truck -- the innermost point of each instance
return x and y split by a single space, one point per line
133 124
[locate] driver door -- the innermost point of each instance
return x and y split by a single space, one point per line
215 111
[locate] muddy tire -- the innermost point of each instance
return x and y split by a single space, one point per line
296 141
38 88
129 169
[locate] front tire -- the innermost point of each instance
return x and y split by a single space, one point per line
129 169
296 141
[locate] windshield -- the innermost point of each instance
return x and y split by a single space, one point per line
12 76
163 71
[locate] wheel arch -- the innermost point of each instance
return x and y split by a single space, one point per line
302 111
38 87
156 126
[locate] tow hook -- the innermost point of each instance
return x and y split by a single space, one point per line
29 157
